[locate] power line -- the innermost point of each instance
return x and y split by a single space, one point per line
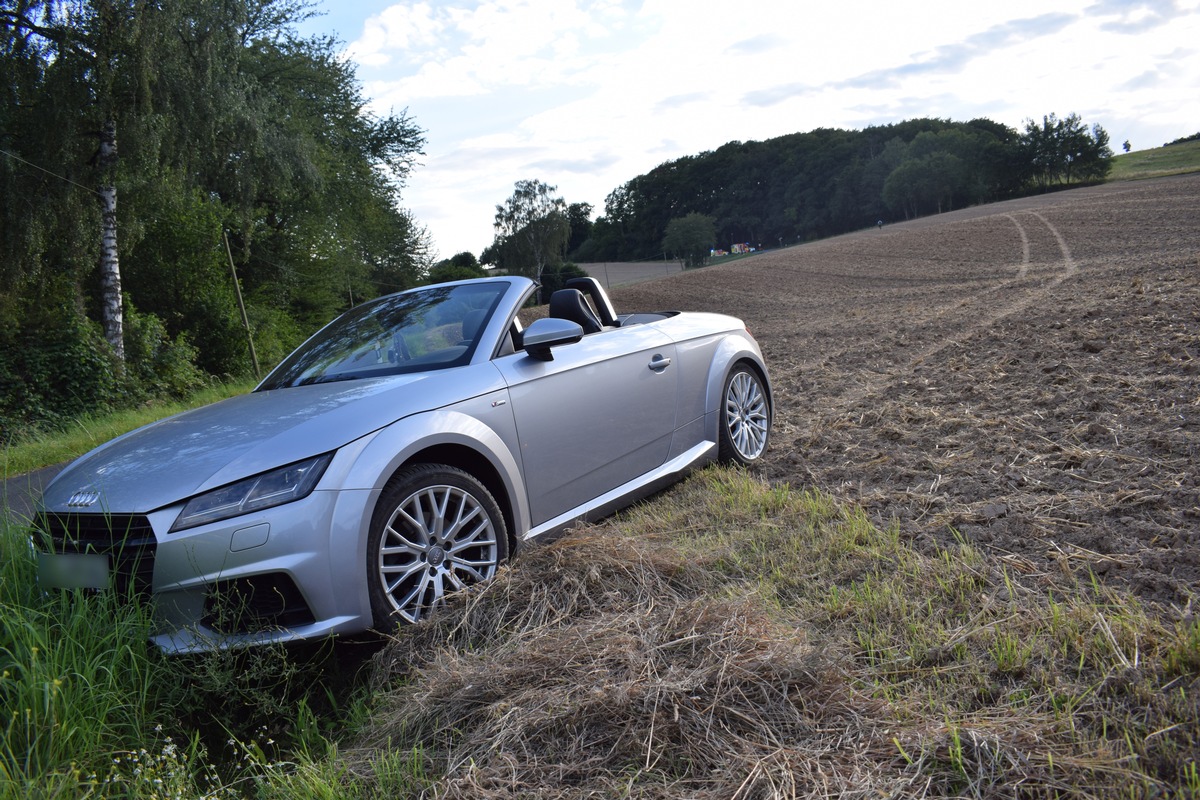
48 172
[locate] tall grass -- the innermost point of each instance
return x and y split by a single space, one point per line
79 686
90 709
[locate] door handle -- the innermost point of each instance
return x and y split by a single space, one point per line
659 363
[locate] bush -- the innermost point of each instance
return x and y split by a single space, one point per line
447 271
276 334
1194 137
156 365
56 365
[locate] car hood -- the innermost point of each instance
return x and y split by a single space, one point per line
180 456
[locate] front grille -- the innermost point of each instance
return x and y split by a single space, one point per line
127 540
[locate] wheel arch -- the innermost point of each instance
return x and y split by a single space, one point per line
478 466
728 356
762 376
449 437
733 349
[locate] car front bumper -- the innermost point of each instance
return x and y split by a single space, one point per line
296 571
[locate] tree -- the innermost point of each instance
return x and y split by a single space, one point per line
459 267
96 51
579 215
465 259
691 238
1062 150
904 188
555 277
532 229
1089 158
228 122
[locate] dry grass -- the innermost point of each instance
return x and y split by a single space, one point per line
734 639
621 675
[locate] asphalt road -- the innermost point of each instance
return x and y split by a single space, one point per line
21 492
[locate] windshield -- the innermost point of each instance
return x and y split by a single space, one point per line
426 329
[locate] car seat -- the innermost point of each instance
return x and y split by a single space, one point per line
570 304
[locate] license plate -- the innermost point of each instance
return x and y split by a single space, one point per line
73 570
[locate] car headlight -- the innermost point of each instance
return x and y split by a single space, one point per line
265 490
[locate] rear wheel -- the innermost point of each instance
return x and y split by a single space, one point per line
435 530
745 417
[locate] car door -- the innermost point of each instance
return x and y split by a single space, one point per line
596 416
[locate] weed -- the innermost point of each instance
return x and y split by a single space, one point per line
1183 654
1011 655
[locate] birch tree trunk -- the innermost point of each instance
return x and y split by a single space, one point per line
110 270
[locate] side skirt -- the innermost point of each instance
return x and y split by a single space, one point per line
629 493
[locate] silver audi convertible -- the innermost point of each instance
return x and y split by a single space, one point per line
403 452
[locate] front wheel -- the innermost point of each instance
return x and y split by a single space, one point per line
745 417
435 530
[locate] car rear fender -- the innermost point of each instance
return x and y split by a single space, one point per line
732 349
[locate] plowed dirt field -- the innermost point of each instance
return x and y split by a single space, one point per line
1024 376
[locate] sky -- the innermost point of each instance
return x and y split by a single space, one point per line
585 95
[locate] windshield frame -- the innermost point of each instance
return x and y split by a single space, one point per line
419 330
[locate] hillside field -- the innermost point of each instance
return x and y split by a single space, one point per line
1024 375
966 567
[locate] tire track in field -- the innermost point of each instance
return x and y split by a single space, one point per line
874 383
1024 268
1069 270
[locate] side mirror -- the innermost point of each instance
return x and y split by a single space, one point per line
543 334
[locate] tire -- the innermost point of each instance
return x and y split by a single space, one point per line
745 417
435 530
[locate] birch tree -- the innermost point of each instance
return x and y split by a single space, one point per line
110 267
532 229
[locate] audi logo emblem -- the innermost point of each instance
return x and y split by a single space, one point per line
83 499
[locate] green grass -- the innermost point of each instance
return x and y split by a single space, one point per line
80 691
44 448
90 709
1177 159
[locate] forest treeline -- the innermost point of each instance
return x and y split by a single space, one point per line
825 182
190 188
149 151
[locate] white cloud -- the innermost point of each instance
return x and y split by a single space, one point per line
400 32
587 94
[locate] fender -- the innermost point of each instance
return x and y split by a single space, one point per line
381 454
483 424
732 349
